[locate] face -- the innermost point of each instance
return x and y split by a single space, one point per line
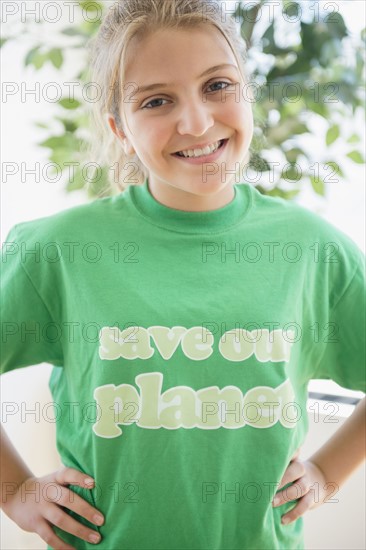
192 111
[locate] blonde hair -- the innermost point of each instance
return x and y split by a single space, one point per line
124 21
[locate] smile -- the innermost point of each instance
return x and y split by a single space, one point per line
200 151
207 154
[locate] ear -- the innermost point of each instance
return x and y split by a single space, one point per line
129 150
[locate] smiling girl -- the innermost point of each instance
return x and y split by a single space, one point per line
200 310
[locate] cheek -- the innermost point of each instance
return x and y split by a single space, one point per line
239 118
152 134
156 140
237 113
244 118
150 143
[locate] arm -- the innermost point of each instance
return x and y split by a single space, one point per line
25 499
332 464
13 470
345 450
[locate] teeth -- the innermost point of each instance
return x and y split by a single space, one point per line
200 152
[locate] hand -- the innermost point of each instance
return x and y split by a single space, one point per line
38 503
309 488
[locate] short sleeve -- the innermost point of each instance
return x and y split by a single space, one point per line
344 358
29 334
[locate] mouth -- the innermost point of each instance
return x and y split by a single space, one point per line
204 157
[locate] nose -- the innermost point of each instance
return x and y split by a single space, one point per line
195 118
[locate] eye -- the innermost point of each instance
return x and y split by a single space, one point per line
146 106
220 82
152 101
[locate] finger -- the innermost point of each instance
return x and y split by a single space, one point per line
294 471
70 476
292 492
69 499
56 516
47 534
303 505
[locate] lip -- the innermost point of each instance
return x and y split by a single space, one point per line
200 146
205 158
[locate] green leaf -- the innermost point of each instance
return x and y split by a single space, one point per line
310 39
39 60
261 189
56 57
69 125
88 5
300 66
66 141
293 154
102 186
289 127
239 12
73 31
290 194
3 41
319 108
248 18
76 180
258 163
277 192
318 185
336 25
60 156
41 125
268 39
360 64
356 156
332 134
68 103
292 173
30 56
90 27
353 139
291 9
336 169
84 75
55 142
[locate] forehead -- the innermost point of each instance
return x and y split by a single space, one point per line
171 55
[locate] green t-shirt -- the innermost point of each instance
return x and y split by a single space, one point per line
182 345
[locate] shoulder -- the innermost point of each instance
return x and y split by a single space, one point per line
82 221
297 223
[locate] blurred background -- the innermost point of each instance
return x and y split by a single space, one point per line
307 65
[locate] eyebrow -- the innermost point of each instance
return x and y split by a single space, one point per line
150 87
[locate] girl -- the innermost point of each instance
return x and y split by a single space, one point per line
180 314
